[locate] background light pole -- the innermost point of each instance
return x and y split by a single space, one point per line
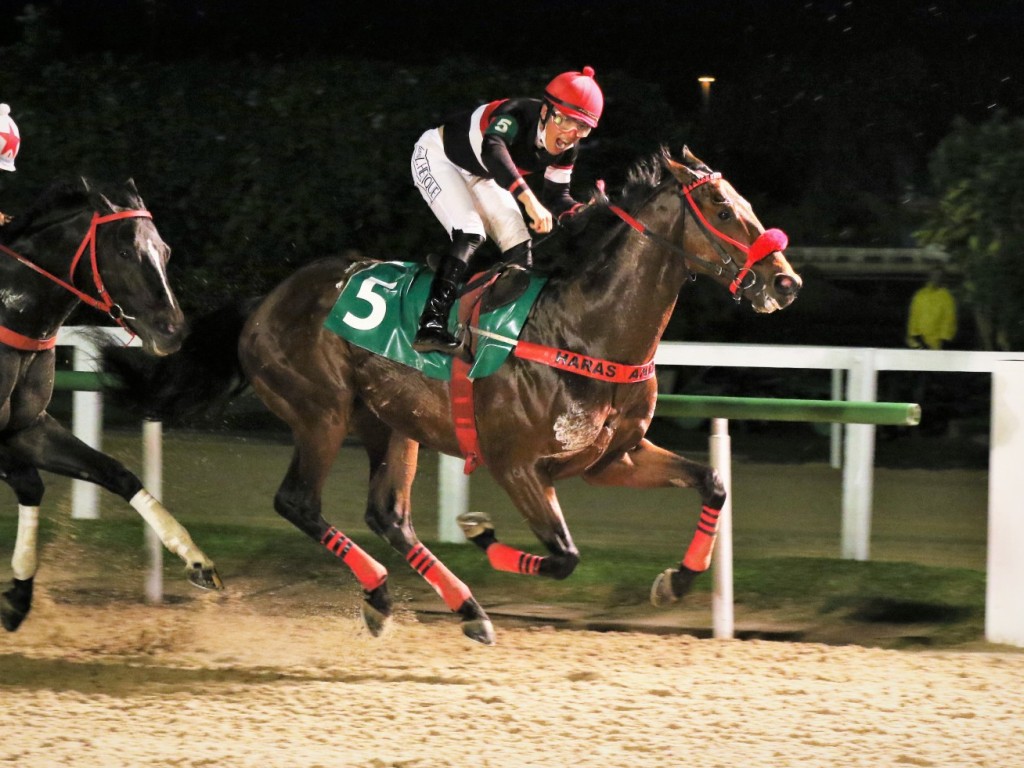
705 91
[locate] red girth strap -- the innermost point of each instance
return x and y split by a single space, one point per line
461 387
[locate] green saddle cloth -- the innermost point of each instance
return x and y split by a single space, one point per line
379 309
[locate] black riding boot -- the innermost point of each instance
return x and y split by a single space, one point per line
521 255
433 334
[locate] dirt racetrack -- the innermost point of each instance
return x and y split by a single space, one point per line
246 678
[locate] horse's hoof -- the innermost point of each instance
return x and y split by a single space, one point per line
15 604
661 590
671 585
11 619
377 610
10 616
474 523
475 623
204 577
479 630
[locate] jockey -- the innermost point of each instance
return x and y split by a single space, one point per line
10 142
470 171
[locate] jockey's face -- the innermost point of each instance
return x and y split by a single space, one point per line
561 131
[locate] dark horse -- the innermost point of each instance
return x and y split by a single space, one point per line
76 243
611 290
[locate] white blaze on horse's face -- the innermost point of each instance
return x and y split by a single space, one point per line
156 258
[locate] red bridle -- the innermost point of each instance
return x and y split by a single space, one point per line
102 301
767 242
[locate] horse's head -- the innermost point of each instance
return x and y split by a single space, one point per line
129 263
729 242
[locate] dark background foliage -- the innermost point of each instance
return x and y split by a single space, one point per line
263 135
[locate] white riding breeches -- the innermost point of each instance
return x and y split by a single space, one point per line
463 201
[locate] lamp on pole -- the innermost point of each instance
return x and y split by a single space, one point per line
705 91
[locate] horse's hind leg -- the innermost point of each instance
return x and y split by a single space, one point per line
16 602
298 500
48 446
648 466
389 515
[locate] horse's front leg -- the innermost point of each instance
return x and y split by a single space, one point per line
533 494
648 466
28 486
389 515
49 446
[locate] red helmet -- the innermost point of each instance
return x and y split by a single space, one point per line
577 95
10 139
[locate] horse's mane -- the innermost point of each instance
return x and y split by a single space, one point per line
588 233
70 194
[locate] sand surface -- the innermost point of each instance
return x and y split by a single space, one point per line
246 679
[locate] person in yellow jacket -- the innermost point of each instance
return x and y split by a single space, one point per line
932 320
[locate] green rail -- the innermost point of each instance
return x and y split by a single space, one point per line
83 381
781 409
694 406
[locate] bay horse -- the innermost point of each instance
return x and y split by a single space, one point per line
79 242
611 289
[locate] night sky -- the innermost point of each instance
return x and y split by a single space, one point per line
970 47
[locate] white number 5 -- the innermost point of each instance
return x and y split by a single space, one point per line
378 307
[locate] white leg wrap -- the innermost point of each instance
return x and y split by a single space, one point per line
25 560
171 532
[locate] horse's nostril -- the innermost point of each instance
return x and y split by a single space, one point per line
786 285
169 329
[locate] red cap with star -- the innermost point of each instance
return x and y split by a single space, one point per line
10 139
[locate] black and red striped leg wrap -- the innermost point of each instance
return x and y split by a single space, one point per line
368 571
698 555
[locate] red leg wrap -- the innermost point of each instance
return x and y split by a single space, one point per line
368 571
698 556
505 558
445 583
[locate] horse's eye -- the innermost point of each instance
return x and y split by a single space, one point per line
125 254
725 214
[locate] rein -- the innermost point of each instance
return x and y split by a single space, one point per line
102 301
767 242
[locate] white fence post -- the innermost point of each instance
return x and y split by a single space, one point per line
723 623
153 480
1004 588
858 464
452 498
87 424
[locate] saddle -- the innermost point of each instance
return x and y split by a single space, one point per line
380 303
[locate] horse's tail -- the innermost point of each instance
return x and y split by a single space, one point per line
203 375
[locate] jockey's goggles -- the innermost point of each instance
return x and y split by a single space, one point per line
565 124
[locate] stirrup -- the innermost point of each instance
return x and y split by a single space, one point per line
435 338
474 523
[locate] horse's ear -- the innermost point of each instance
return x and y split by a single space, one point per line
84 183
685 171
693 162
130 183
